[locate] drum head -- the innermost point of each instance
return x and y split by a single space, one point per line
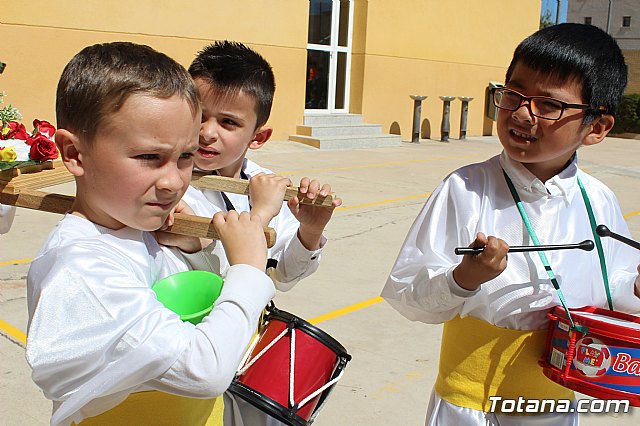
310 329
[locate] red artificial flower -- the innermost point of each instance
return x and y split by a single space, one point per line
43 127
16 131
42 148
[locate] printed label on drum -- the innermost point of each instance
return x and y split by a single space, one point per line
562 326
592 357
625 363
600 362
557 359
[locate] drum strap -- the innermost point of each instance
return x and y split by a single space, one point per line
596 238
479 360
227 202
271 263
159 408
541 254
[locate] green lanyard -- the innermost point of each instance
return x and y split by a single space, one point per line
543 256
596 238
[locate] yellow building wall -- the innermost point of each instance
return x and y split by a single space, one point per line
39 37
422 47
632 58
433 48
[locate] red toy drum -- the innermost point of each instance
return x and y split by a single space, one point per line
291 370
603 361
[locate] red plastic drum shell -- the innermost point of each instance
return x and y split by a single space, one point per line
612 331
269 375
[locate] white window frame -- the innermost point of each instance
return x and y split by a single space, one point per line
333 49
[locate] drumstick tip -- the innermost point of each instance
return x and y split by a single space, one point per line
587 245
603 231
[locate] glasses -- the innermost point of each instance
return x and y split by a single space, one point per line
539 106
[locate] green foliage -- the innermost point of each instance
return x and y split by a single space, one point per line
8 113
545 20
628 117
6 165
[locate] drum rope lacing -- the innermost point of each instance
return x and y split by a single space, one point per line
292 352
543 257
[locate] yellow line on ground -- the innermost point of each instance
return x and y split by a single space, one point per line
346 310
13 332
392 200
366 166
628 215
13 262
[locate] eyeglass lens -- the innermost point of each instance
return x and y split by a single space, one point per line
539 106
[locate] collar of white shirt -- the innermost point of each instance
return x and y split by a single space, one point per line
564 184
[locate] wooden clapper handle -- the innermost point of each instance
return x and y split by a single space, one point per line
184 224
241 186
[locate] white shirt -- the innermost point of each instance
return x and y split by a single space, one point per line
7 213
97 332
475 198
295 262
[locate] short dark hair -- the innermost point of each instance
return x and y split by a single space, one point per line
100 78
585 52
232 67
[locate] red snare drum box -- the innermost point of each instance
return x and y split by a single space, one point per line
603 362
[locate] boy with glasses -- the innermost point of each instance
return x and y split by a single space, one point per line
562 90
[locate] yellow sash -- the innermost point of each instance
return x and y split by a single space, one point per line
159 408
479 360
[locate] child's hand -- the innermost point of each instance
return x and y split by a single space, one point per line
242 237
185 243
312 219
476 269
267 193
637 286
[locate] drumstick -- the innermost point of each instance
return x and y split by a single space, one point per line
184 224
603 231
586 245
241 186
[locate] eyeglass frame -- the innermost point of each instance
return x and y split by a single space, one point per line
528 99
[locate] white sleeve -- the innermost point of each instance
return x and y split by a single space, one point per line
421 285
295 262
210 360
96 328
7 213
622 260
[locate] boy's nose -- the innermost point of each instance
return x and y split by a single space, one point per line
171 180
209 131
523 114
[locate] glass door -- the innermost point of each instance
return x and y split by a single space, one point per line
329 55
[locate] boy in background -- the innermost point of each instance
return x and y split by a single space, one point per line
237 85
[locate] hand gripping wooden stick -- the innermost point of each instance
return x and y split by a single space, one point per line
184 224
241 186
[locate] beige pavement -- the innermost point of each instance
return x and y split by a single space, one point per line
394 360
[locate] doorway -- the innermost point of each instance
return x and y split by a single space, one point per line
329 56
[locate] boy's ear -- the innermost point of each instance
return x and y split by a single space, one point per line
599 128
261 137
71 148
